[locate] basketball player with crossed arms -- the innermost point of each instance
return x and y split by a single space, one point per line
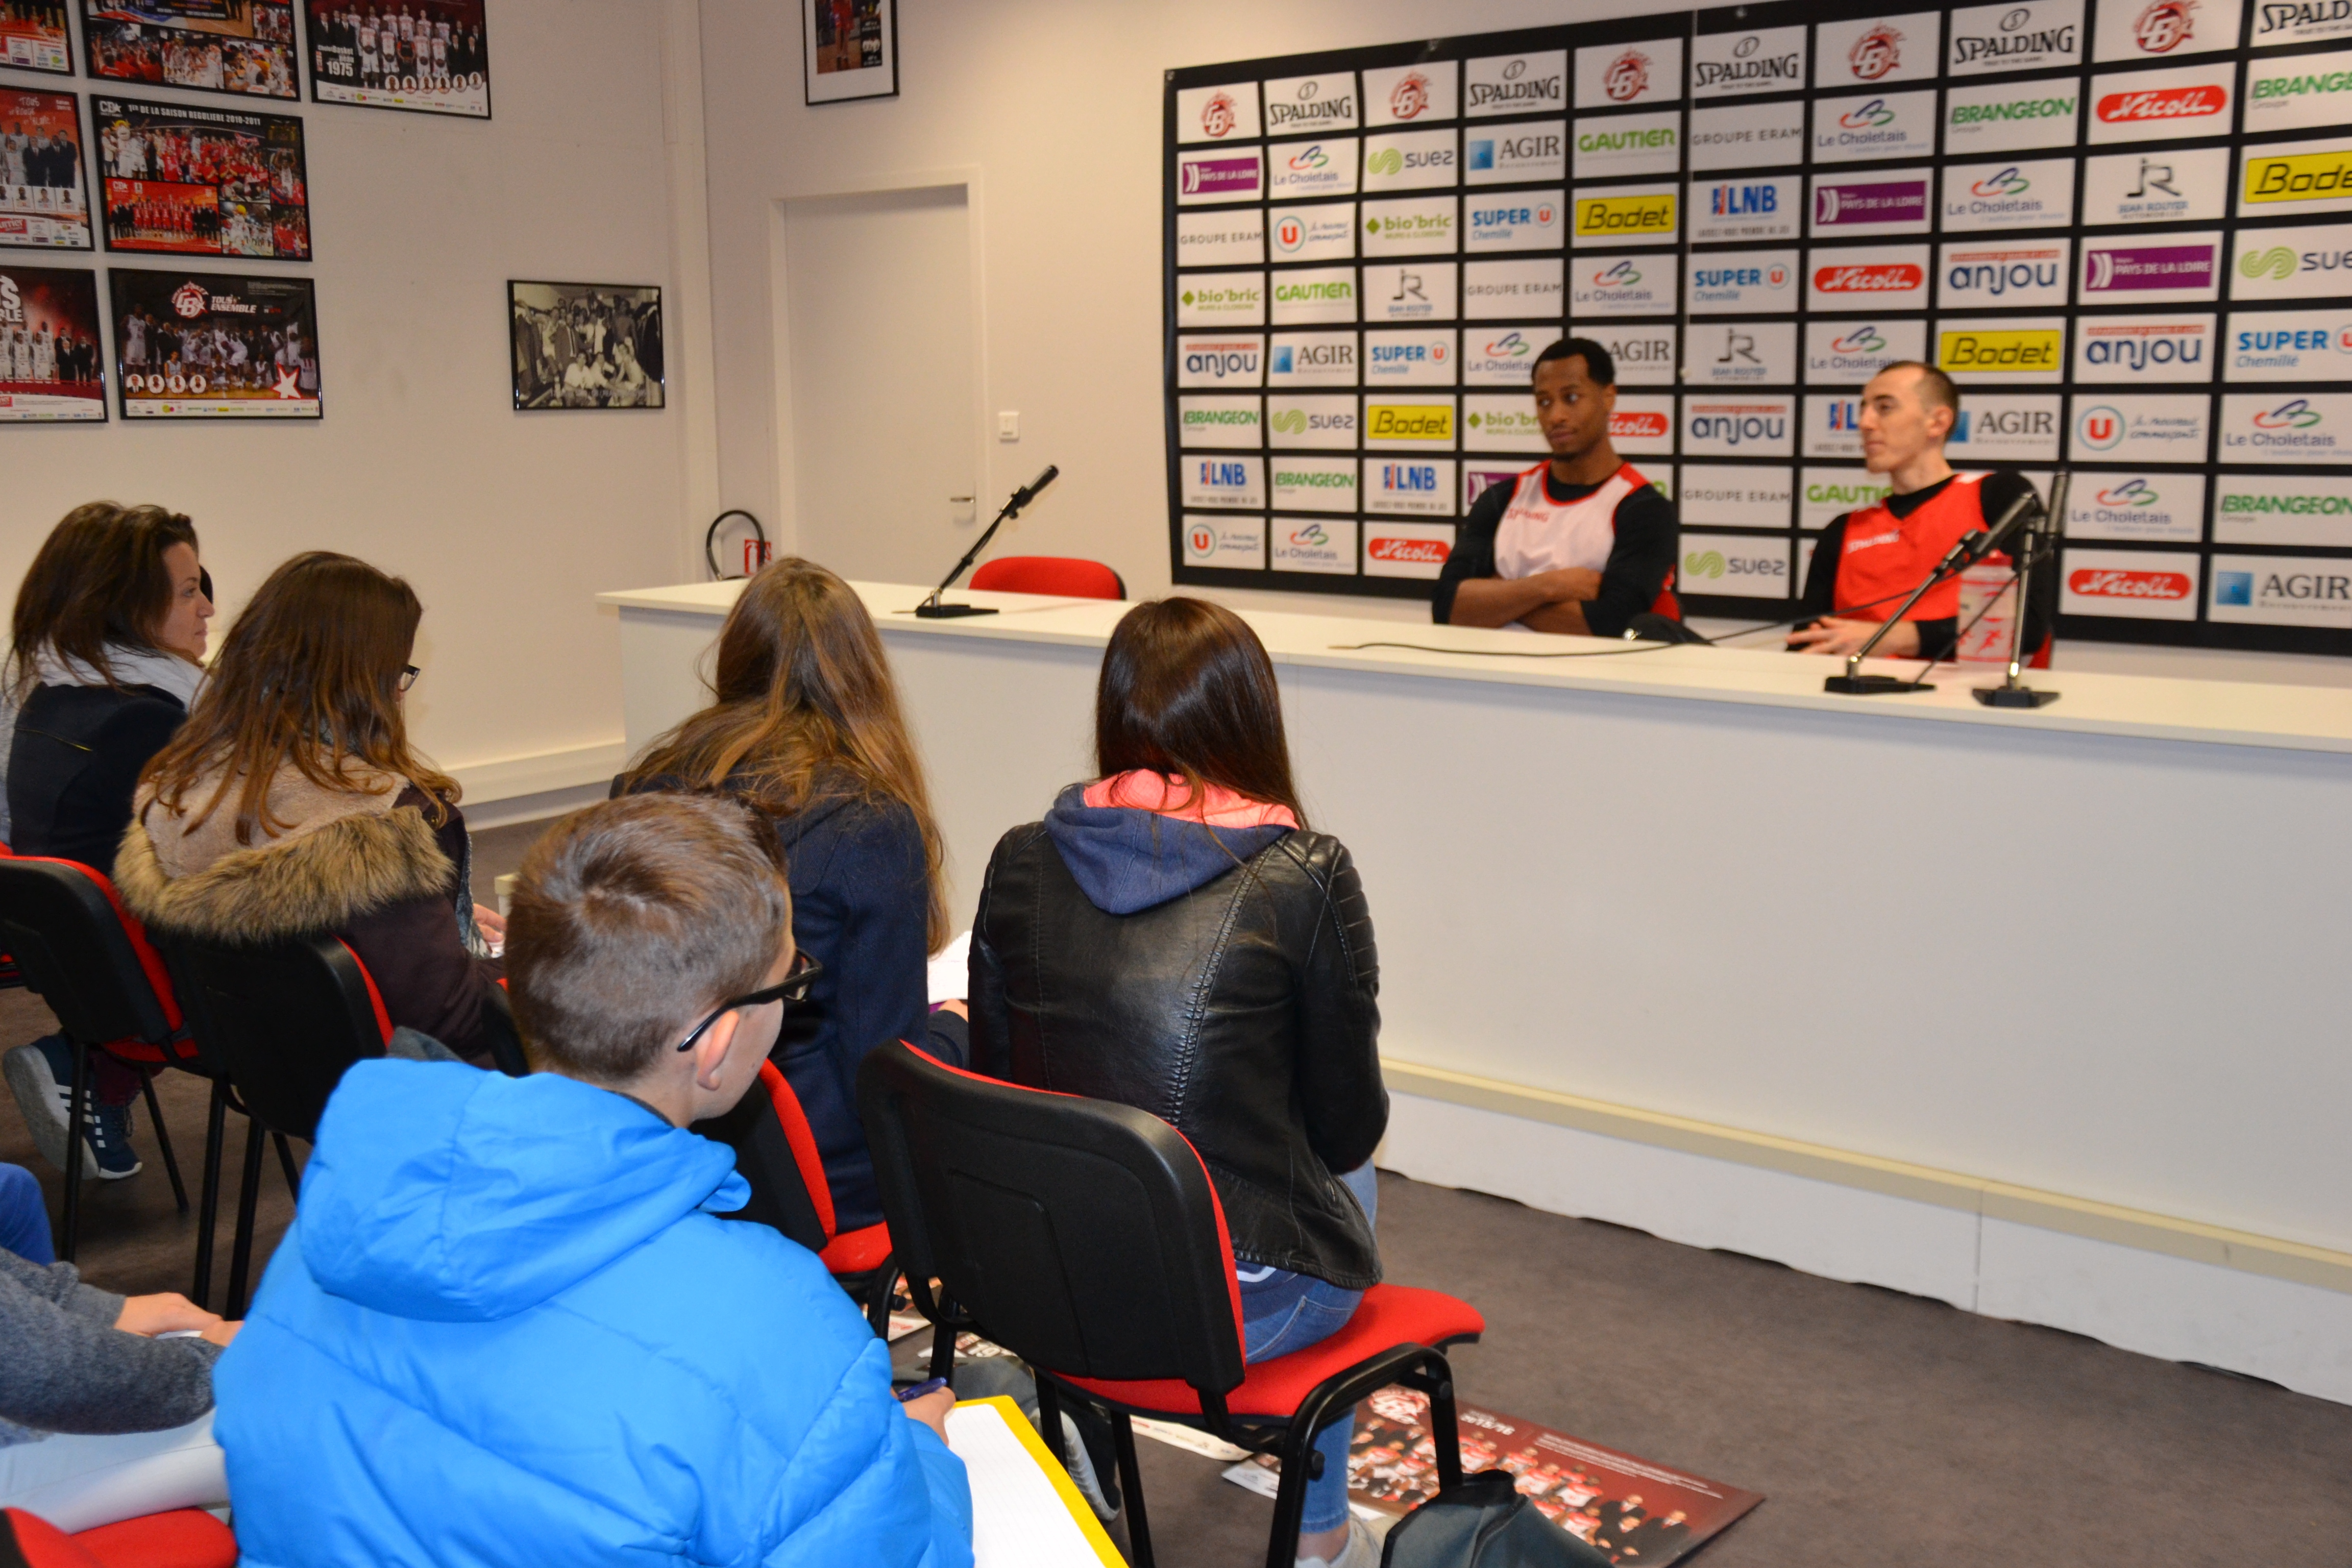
1581 543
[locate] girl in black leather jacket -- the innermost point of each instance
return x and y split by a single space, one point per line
1173 938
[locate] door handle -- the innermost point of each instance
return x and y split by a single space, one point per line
966 499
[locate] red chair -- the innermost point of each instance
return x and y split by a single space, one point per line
1086 1238
1065 576
776 1153
184 1538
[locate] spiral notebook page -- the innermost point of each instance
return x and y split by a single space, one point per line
1026 1513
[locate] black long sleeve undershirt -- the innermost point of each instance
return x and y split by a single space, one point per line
1938 637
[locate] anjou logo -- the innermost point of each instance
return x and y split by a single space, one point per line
1868 116
2278 261
2008 183
2131 492
2296 414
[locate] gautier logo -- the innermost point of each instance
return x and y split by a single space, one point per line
2299 177
2109 583
1883 278
1402 422
1607 215
2036 349
2147 105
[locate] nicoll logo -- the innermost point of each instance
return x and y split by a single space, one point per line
1415 552
2162 103
2111 582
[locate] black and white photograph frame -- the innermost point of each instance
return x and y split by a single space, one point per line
849 49
585 345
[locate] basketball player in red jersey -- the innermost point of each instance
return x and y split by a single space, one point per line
1869 559
1579 545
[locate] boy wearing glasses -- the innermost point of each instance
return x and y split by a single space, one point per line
508 1326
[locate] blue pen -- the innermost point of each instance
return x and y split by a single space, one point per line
929 1385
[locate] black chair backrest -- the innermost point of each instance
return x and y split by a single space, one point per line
283 1021
62 930
1081 1234
764 1159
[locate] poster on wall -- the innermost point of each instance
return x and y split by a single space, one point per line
214 345
43 203
585 345
50 372
32 36
429 56
849 48
180 181
243 46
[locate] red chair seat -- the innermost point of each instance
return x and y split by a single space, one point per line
1069 576
184 1538
1389 1315
856 1251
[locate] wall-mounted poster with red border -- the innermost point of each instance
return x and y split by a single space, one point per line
32 36
180 181
429 56
241 46
44 204
50 369
214 345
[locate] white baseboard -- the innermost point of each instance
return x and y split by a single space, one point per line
565 772
2291 1333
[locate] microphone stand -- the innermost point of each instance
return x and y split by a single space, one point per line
1853 683
2009 693
931 609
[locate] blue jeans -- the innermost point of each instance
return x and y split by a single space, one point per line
23 1217
1290 1313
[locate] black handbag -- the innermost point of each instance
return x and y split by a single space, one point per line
1484 1523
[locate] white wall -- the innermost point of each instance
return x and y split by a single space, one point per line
506 523
1057 105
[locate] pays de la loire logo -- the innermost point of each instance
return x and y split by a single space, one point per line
190 299
1868 116
2008 183
1409 99
2135 492
1875 53
1217 116
2296 414
1627 77
2165 26
1861 341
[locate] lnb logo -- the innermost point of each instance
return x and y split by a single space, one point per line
1868 116
2134 492
2277 262
2296 414
2008 183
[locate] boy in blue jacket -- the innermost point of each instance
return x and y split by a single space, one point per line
508 1326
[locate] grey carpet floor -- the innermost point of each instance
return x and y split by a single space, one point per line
1885 1430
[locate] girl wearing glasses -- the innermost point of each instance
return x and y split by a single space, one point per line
291 804
804 725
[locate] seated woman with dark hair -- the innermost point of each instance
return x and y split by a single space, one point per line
108 628
804 724
1173 938
291 804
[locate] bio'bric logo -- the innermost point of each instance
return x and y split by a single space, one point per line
1289 422
1510 346
1309 158
1624 275
1387 161
1868 116
1708 564
2278 261
1861 341
2134 492
2294 413
2008 183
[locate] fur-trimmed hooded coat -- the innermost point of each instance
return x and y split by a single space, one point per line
368 867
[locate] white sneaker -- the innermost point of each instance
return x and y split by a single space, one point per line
1363 1551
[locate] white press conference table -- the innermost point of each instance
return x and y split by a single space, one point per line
2041 1011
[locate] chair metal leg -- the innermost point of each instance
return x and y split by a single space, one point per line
286 1164
878 1291
207 1222
1049 1420
943 1339
164 1138
76 1107
240 1261
1131 1481
1290 1496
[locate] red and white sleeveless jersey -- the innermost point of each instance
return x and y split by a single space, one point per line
1540 535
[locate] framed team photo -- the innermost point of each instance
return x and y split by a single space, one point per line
32 36
428 56
50 369
44 204
214 345
241 46
849 48
202 182
585 345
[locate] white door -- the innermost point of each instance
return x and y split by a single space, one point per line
884 428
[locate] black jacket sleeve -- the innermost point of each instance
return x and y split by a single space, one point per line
1639 562
1340 1096
992 1024
1474 550
429 981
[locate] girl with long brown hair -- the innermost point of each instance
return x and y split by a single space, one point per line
804 723
292 805
1172 937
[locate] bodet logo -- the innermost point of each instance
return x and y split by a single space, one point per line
1617 220
1423 424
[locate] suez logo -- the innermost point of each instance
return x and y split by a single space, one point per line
2016 37
2315 262
1410 159
1745 565
1311 422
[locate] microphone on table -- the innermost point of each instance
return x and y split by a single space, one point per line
2040 546
932 609
1974 546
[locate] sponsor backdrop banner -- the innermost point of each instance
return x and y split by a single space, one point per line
2123 227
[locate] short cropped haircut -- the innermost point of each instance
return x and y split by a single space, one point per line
1935 388
634 918
1598 363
